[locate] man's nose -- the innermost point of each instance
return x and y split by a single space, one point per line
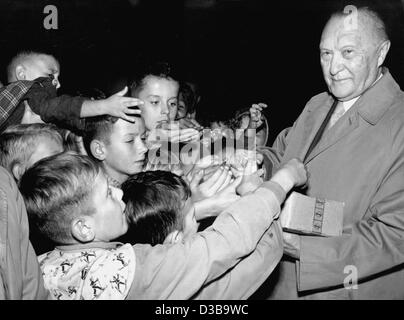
336 64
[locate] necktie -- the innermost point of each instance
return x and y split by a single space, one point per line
322 129
338 113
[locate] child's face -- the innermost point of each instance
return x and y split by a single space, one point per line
160 100
182 108
45 147
190 224
261 137
126 151
109 218
43 66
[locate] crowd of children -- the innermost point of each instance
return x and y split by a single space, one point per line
117 190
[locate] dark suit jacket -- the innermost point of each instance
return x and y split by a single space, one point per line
359 161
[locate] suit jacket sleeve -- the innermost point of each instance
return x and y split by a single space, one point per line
375 243
178 271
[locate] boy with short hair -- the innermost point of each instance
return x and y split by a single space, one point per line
35 74
23 145
70 200
30 65
117 144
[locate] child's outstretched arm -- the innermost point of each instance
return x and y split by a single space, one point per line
68 111
116 105
178 271
246 277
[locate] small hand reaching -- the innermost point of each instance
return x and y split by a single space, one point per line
293 173
120 106
219 180
256 115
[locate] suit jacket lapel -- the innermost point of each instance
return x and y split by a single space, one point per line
343 127
370 107
312 124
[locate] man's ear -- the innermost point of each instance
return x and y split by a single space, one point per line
384 49
98 149
17 170
174 237
20 73
83 229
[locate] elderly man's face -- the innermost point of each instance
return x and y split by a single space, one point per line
349 58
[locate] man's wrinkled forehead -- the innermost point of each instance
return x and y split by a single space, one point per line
339 31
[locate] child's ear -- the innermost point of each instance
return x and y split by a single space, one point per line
17 171
98 150
174 237
83 229
20 72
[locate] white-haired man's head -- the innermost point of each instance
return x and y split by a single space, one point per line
353 48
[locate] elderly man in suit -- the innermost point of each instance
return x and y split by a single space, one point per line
351 139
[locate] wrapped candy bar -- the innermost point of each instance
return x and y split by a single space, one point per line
306 215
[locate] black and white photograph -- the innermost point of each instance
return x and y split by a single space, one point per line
203 155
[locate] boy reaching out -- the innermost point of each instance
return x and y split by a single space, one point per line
34 80
68 197
161 210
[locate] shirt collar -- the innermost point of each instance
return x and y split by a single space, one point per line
90 245
348 104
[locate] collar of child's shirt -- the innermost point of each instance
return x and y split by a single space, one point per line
90 245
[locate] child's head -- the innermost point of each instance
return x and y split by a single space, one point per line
241 121
119 144
159 208
29 65
25 144
187 101
159 91
69 200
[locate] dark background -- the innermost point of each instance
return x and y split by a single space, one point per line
238 51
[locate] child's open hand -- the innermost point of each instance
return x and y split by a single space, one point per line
172 132
119 106
189 123
219 180
250 182
215 204
256 115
